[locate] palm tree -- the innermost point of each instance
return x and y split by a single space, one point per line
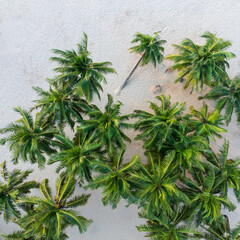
186 149
29 139
171 226
151 50
12 187
202 191
227 171
220 230
76 156
114 178
60 106
207 124
51 215
156 185
204 64
158 126
227 96
107 126
78 70
21 235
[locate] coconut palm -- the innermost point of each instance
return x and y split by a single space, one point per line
202 191
202 64
171 226
107 125
151 50
186 148
29 139
227 170
21 235
207 124
158 126
60 106
76 156
114 178
156 185
227 96
51 215
220 230
78 70
12 187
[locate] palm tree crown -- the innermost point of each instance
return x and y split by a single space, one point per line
51 213
29 139
156 185
12 188
204 64
227 96
207 124
60 106
160 125
76 156
78 69
150 47
227 170
172 226
107 125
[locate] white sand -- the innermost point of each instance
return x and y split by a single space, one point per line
29 29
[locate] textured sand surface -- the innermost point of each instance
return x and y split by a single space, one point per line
29 29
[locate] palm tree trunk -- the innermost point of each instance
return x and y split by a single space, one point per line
117 91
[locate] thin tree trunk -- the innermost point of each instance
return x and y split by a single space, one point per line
117 91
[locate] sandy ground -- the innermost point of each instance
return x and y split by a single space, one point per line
29 29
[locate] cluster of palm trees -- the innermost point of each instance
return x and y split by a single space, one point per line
182 186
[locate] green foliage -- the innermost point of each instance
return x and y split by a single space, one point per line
227 171
174 225
158 126
186 148
60 106
220 230
202 64
50 214
77 70
207 124
108 125
29 139
150 47
114 178
156 185
76 156
12 187
227 96
202 190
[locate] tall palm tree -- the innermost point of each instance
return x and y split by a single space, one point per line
171 226
107 125
151 50
78 70
207 124
114 178
156 185
227 170
51 215
220 230
60 106
29 139
227 96
21 235
202 64
202 191
158 126
186 149
76 156
12 187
